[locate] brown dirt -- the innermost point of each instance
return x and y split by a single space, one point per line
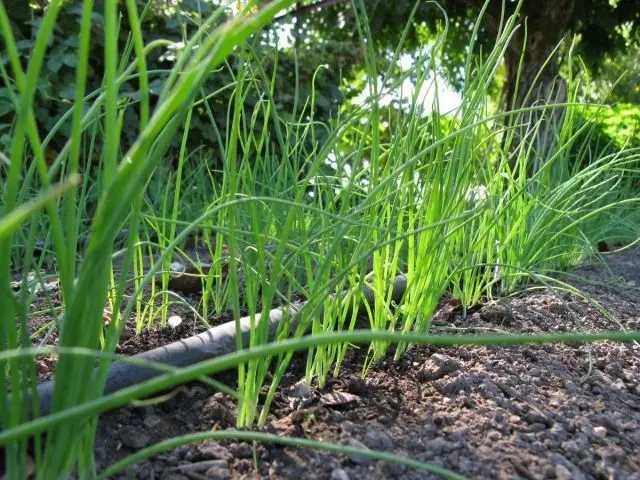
531 412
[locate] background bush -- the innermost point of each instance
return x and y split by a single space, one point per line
55 90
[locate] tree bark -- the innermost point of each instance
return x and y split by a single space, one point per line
533 82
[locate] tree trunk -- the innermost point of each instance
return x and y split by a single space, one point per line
536 83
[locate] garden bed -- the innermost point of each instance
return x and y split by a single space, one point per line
539 411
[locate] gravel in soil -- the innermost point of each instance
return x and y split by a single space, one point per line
531 412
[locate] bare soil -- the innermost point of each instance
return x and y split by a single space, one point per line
526 412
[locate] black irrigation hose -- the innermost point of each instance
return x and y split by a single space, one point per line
215 342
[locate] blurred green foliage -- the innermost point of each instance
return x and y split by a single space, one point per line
326 37
622 123
173 21
619 76
603 26
618 124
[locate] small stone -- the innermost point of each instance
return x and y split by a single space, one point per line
192 455
339 474
537 427
218 473
377 440
357 386
100 453
438 366
559 432
300 390
563 473
174 321
243 466
460 433
150 421
201 467
533 416
570 387
241 450
610 422
600 432
439 446
499 415
455 385
133 438
395 469
586 428
176 267
357 459
214 451
497 314
557 459
348 428
558 308
488 389
576 445
550 472
126 334
182 451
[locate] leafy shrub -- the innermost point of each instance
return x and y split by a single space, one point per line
55 88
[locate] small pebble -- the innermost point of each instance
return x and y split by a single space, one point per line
174 321
563 473
218 473
357 459
534 417
537 427
395 470
600 432
377 440
151 421
133 438
201 467
339 474
241 450
438 366
497 314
